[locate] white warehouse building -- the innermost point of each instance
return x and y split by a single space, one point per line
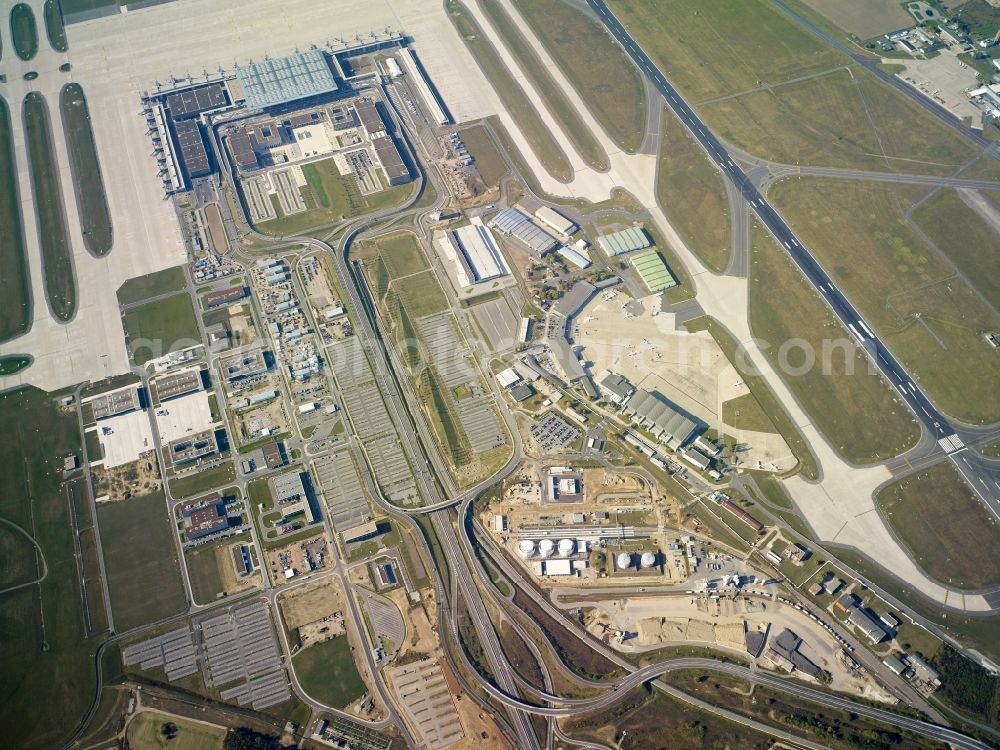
556 221
479 252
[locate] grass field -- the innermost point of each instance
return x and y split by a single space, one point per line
930 319
14 363
975 250
336 198
516 101
609 83
15 313
86 170
420 294
328 674
402 254
847 119
489 162
141 560
151 285
645 720
447 429
203 481
692 194
835 729
864 18
145 732
745 413
944 526
54 28
723 47
768 402
784 307
24 31
555 100
46 657
203 572
157 328
57 255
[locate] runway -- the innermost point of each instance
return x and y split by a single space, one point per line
982 478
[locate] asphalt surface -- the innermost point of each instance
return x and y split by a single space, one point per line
983 478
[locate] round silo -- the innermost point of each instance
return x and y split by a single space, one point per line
526 548
648 560
624 560
545 547
566 547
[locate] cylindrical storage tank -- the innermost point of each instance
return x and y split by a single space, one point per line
648 560
624 560
526 548
545 547
566 547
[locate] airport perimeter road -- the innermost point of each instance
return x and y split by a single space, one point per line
981 476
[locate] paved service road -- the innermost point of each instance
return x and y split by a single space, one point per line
983 477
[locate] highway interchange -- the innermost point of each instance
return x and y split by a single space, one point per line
982 476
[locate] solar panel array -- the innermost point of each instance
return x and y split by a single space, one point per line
174 651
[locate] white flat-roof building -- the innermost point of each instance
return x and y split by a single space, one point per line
508 377
576 258
556 221
479 252
561 567
423 86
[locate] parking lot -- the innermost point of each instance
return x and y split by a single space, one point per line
240 645
174 651
452 359
552 432
424 695
340 484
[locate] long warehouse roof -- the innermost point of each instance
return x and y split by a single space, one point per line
653 271
625 241
512 222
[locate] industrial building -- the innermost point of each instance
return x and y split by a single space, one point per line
290 497
204 517
358 533
478 252
574 300
192 447
117 402
556 221
279 80
741 514
863 621
224 296
178 384
578 259
393 167
617 387
653 271
625 241
511 222
666 421
244 365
